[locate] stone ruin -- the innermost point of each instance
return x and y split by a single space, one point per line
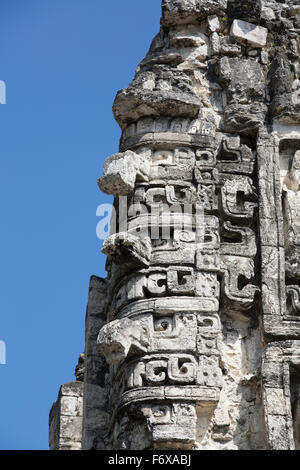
193 339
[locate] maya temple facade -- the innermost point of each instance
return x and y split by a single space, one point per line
193 338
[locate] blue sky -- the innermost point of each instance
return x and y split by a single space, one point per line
63 62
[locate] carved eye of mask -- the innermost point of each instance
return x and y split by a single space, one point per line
163 157
163 324
159 412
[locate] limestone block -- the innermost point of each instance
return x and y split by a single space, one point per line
96 418
222 418
244 117
230 48
187 36
268 14
213 23
71 428
71 406
244 80
245 86
121 172
95 396
194 56
279 436
249 33
192 45
215 43
264 57
65 420
269 233
71 389
272 373
275 401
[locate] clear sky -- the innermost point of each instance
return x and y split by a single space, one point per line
63 62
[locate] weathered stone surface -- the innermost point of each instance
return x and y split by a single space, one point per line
134 103
249 10
213 23
121 172
193 339
124 248
185 11
251 33
95 393
119 337
65 420
284 90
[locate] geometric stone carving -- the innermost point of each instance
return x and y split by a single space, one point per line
177 420
233 157
239 268
234 198
241 241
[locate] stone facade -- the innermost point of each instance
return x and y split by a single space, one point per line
193 339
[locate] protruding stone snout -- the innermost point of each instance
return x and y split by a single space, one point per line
121 171
127 249
119 338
